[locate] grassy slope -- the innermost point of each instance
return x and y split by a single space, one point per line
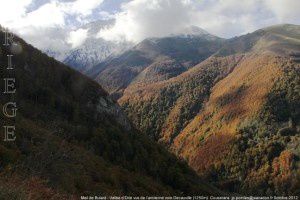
72 139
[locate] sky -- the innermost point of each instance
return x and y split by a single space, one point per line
56 24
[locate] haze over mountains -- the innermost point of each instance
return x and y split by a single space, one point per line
94 50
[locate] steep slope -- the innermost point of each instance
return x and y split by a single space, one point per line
252 118
237 139
234 117
72 139
162 109
182 51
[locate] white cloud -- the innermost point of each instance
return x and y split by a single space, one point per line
285 11
52 38
47 25
48 15
12 10
77 37
106 15
13 13
143 18
84 7
227 18
140 19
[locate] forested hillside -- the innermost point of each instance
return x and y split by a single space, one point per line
72 139
235 116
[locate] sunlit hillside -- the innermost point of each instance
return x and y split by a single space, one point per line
235 116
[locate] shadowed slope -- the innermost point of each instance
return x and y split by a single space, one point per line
185 51
72 139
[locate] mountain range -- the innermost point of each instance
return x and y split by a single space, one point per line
73 140
234 117
228 107
184 114
155 59
94 50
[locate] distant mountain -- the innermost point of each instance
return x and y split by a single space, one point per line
73 140
155 59
58 55
194 31
234 117
94 50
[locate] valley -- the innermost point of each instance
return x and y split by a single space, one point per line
149 99
72 139
185 114
234 117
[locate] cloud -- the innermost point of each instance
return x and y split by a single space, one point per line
143 18
12 10
77 37
233 17
140 19
106 15
48 15
83 7
46 24
285 11
52 39
13 13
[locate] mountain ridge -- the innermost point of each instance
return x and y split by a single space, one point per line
207 114
95 49
117 73
72 140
